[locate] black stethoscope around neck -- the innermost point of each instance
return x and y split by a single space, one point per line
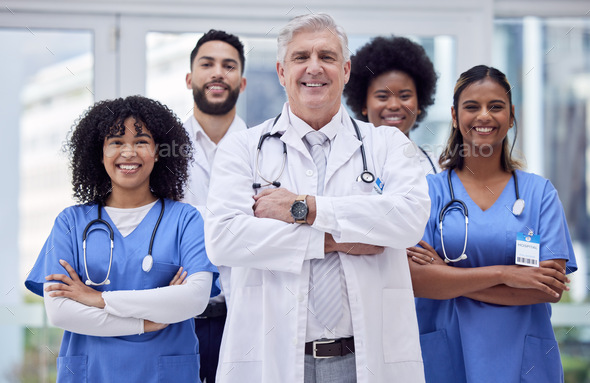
147 262
366 176
457 204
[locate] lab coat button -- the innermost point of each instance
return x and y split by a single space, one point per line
309 173
300 297
294 341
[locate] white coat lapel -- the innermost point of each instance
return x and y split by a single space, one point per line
294 142
345 145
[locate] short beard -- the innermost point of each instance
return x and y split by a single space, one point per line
217 108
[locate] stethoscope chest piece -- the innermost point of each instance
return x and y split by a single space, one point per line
367 177
518 207
90 283
147 263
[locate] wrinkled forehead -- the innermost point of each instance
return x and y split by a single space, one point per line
307 40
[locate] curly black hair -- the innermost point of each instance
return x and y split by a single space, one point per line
90 181
385 54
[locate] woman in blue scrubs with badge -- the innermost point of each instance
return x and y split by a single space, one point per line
495 252
124 272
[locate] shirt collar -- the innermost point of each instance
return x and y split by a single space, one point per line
236 124
330 129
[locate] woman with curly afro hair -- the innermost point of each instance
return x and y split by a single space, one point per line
392 83
125 272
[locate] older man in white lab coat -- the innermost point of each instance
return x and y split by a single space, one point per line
321 290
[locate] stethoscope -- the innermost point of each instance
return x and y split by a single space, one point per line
517 210
429 160
365 176
147 262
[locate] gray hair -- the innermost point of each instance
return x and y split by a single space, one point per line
314 23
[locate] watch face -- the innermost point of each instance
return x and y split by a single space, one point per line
299 210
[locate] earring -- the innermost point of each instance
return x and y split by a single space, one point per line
454 125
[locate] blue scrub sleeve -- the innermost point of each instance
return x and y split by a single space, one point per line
59 245
555 237
193 255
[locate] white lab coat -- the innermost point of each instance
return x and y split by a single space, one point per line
264 335
198 184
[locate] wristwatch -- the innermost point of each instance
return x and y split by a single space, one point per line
299 209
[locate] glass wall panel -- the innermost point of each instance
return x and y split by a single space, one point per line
47 83
547 61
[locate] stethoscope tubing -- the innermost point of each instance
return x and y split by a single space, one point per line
452 205
111 233
366 176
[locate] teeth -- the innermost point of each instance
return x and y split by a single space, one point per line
392 118
313 85
483 130
128 167
216 88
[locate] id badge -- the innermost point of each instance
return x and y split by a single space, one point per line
527 249
378 186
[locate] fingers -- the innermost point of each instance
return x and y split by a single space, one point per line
179 277
426 246
544 287
70 270
59 277
419 251
556 279
55 287
57 290
265 192
420 260
552 264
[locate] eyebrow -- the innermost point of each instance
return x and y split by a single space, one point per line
387 90
142 134
321 52
328 51
209 58
475 102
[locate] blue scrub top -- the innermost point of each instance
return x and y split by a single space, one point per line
168 355
465 340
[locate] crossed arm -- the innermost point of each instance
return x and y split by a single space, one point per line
276 204
76 307
502 284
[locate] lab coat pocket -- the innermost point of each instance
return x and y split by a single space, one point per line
541 361
400 327
359 188
436 367
160 275
178 368
72 369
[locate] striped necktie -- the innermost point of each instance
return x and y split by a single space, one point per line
325 273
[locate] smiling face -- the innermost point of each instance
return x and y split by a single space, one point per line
484 114
129 158
392 100
216 78
314 74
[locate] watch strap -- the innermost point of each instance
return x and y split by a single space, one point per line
301 198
